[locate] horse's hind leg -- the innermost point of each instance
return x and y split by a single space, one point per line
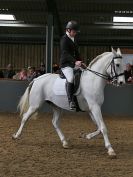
93 134
26 116
55 122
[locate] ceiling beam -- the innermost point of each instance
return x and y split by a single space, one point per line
21 1
11 25
22 36
106 26
88 1
88 37
101 37
106 43
38 39
11 22
90 14
114 23
115 27
23 11
110 1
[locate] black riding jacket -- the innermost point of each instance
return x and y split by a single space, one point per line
69 52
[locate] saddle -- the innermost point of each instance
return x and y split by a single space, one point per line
77 76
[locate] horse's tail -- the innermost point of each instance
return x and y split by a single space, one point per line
23 104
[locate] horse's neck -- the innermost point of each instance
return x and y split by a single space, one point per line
101 65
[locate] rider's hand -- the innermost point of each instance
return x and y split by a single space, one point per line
129 79
83 65
78 63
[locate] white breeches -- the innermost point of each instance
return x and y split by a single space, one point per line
68 72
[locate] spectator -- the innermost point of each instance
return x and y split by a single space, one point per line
9 73
23 74
16 76
128 73
31 73
42 69
1 74
55 68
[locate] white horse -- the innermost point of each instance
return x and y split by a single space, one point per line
90 95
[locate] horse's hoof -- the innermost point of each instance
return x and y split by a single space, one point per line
112 154
82 135
66 145
88 136
14 136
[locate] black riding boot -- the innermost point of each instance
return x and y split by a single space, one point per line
70 92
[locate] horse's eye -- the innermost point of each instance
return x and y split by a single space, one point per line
117 65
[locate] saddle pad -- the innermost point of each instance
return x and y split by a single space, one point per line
59 87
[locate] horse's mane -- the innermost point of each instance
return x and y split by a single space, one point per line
97 58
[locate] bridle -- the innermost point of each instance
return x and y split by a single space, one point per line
110 77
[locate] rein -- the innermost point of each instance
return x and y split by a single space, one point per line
108 77
100 74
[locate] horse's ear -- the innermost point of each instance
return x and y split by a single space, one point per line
118 51
113 51
112 48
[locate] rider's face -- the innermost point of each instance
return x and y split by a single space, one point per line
72 33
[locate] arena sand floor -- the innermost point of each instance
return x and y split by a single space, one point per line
39 153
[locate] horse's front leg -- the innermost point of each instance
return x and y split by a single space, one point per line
55 121
96 112
93 134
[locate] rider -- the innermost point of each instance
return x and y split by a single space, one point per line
69 58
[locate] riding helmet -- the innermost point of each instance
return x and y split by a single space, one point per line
73 25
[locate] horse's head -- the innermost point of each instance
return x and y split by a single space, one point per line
116 69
